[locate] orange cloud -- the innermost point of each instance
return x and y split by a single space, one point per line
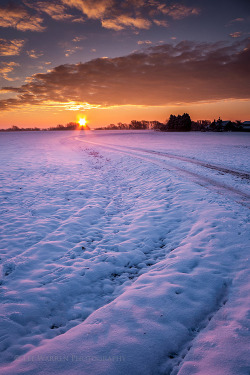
70 51
118 15
11 47
162 23
123 21
112 14
144 42
34 54
18 18
188 72
94 9
77 39
236 34
6 68
55 10
109 13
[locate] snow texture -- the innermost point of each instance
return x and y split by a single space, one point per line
125 253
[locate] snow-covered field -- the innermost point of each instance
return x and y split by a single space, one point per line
125 253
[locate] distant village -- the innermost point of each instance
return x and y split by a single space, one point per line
178 123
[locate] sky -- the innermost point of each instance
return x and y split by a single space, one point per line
116 61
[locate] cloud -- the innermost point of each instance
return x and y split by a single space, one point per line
119 23
235 20
70 51
118 15
113 14
6 68
178 11
34 54
144 42
78 20
55 10
70 48
94 9
18 18
110 13
10 47
162 23
238 20
236 34
78 39
187 72
137 3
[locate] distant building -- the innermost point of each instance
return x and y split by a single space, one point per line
225 124
222 126
246 126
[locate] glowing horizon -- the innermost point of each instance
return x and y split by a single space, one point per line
228 109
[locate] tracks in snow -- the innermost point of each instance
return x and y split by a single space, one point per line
83 263
73 258
197 176
242 175
175 360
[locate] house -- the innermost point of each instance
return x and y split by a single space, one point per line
223 125
246 126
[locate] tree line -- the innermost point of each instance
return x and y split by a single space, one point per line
69 126
179 123
175 123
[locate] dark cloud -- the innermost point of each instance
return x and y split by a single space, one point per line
168 74
178 11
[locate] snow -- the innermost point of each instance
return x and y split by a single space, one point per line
125 253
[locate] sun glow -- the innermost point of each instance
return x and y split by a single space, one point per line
82 121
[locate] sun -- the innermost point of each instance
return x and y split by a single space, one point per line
82 121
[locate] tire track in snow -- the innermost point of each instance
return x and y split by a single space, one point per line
175 360
232 172
206 182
